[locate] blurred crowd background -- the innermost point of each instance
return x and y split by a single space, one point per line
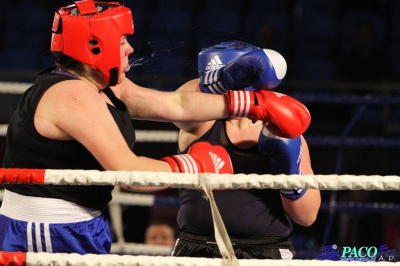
335 49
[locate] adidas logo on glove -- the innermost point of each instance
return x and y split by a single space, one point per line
215 63
217 161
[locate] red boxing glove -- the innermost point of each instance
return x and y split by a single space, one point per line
285 116
202 157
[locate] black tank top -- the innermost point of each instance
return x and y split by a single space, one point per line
246 213
26 148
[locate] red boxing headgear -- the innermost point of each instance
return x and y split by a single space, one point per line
90 32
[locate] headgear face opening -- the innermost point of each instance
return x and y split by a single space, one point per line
90 32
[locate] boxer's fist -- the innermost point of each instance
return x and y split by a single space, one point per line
202 157
259 68
286 117
284 156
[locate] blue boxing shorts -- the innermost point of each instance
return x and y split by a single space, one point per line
33 224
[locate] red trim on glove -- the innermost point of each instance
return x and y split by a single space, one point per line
183 163
173 163
240 103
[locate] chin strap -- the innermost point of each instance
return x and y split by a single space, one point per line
113 76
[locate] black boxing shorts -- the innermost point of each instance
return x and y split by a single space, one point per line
193 244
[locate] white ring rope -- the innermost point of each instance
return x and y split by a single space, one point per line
63 259
14 87
221 181
156 136
3 130
140 249
204 181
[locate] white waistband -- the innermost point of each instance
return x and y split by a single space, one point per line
44 210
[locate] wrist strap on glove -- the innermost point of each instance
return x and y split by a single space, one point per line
212 81
183 163
293 194
240 103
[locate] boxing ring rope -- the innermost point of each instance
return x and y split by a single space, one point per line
194 181
205 181
13 87
61 259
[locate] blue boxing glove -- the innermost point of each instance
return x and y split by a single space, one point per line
259 68
285 156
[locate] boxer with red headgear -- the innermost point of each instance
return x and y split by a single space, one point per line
255 219
90 32
77 115
72 119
